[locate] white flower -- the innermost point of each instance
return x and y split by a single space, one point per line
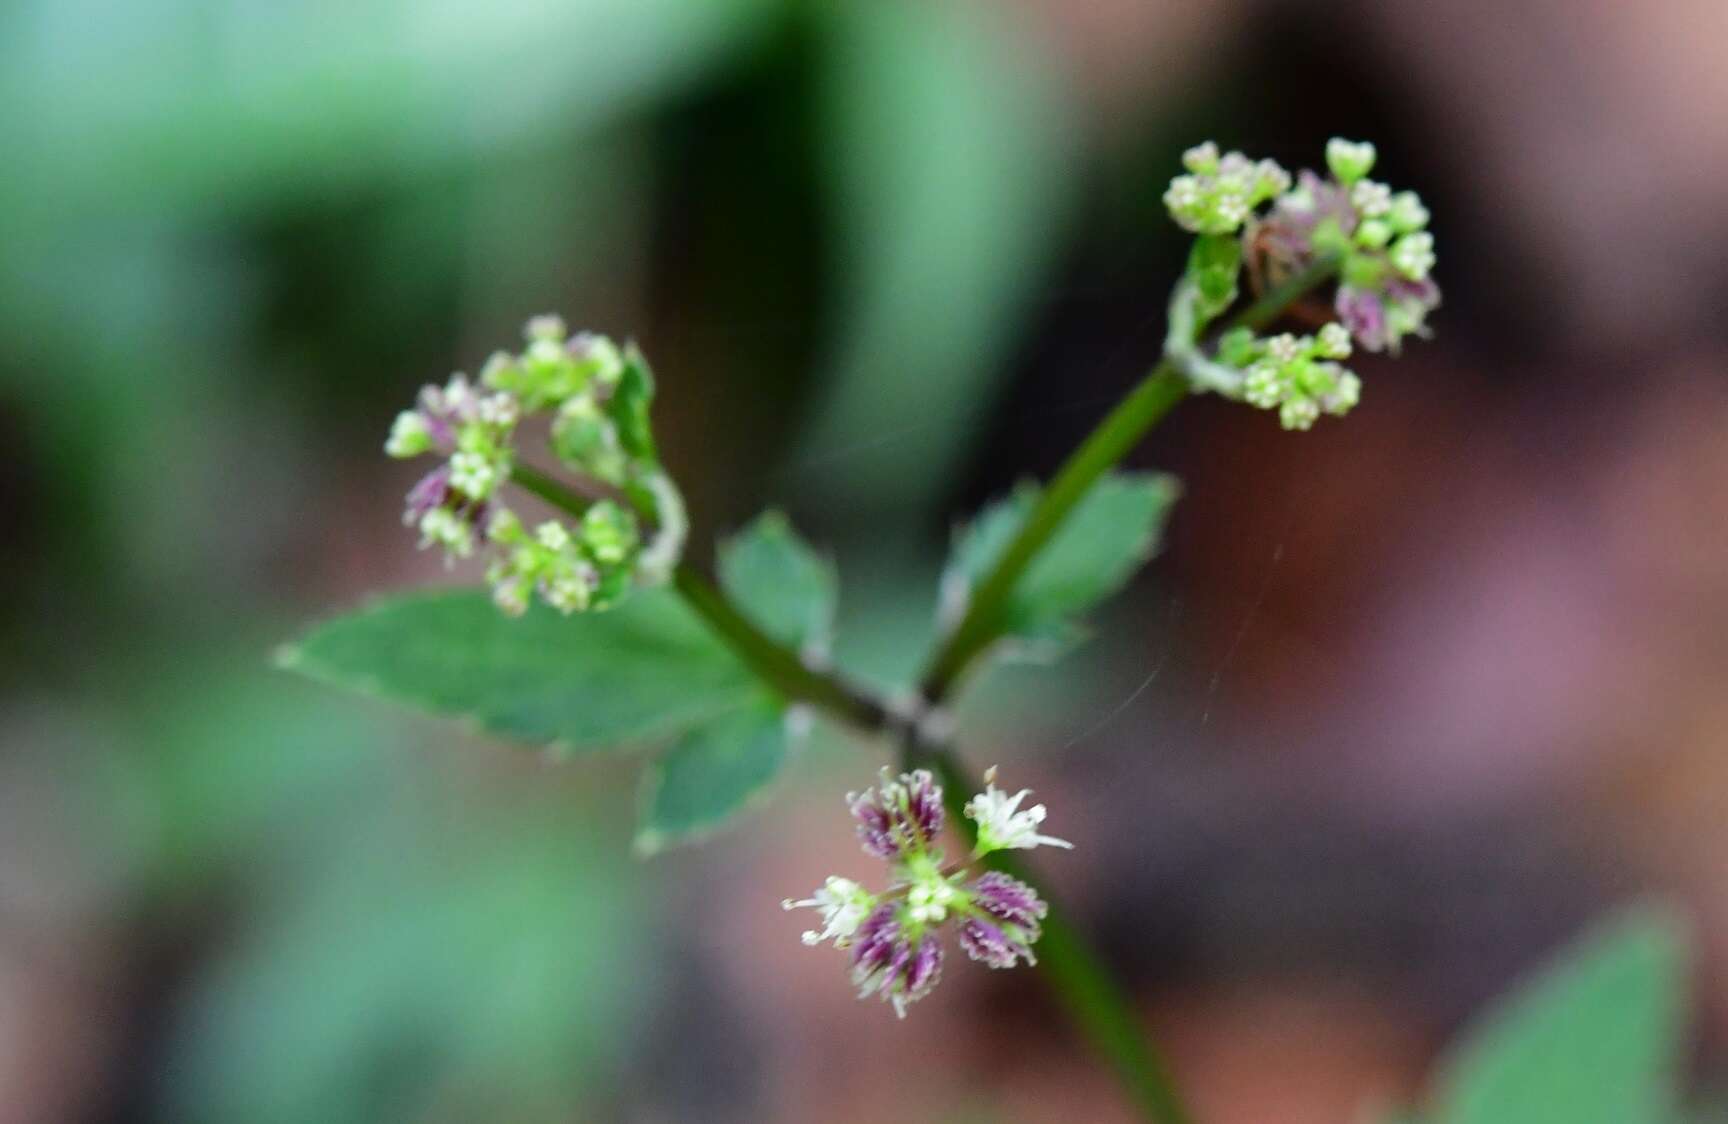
1346 395
549 326
1202 159
570 590
1298 413
443 527
458 396
1284 348
1413 255
1408 213
1001 825
929 899
511 595
843 904
500 410
552 536
1372 198
1264 387
473 474
1334 341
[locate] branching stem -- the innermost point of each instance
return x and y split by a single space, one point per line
1097 1002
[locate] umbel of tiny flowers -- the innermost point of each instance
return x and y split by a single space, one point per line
896 937
1220 192
597 397
1374 238
1295 375
1379 236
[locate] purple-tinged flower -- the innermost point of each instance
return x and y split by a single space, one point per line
898 963
900 817
1380 321
1364 315
1006 921
1287 234
431 491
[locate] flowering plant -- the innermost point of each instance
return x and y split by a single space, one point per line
897 934
598 633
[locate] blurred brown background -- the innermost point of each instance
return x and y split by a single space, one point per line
1405 702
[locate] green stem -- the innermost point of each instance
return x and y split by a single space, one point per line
776 664
1103 448
1082 983
773 662
554 492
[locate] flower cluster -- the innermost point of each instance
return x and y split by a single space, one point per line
1298 376
895 937
1220 192
597 396
1375 239
1380 238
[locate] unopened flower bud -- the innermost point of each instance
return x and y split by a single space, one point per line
409 436
1349 161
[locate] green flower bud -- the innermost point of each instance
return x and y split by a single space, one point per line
608 533
1349 161
1413 256
1364 272
1333 342
1345 394
477 475
571 589
598 358
1407 212
1374 233
1219 193
1329 238
584 438
1298 413
502 372
409 436
1202 159
1371 199
1265 385
505 528
548 327
1237 348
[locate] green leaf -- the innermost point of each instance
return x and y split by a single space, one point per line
1105 539
645 670
784 585
1594 1039
712 773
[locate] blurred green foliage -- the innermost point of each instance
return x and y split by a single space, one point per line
1595 1038
233 237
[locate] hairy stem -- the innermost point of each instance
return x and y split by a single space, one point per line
1102 450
